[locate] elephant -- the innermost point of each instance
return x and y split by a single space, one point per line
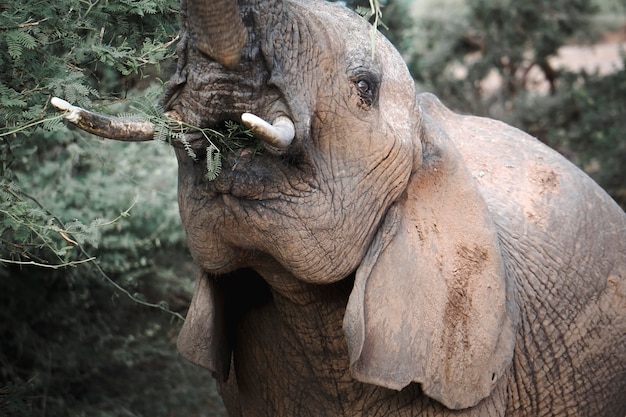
383 255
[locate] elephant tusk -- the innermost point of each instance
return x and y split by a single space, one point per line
279 134
127 130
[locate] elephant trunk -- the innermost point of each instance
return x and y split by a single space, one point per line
216 29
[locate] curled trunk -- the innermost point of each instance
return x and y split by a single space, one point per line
217 29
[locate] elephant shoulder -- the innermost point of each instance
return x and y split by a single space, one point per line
515 171
531 190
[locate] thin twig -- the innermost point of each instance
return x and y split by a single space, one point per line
26 126
127 293
91 259
49 266
28 24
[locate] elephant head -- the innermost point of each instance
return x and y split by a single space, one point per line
363 180
360 182
291 202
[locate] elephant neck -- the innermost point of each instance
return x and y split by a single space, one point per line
313 314
295 293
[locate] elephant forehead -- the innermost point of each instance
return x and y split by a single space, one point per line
377 55
353 33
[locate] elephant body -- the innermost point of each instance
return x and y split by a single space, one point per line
383 256
290 354
397 259
565 252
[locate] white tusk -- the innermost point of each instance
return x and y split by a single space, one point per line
124 129
73 112
280 134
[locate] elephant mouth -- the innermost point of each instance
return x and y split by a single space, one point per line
230 134
217 144
233 160
250 158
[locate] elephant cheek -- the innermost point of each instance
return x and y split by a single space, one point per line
206 247
211 256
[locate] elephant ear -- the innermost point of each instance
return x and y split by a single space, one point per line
429 302
202 339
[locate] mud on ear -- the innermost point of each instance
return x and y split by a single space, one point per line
202 339
429 303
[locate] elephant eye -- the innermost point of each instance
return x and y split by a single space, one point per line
366 88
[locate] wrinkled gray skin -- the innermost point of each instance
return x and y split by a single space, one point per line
396 259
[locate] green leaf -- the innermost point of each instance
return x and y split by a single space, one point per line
17 41
213 162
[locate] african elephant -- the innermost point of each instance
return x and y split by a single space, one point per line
383 255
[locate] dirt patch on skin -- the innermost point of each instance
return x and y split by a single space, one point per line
468 266
545 178
545 183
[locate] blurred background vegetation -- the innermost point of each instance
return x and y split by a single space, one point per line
94 274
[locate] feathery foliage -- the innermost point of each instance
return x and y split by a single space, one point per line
231 137
74 49
89 230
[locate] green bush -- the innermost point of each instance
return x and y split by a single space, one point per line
80 51
89 230
72 347
74 343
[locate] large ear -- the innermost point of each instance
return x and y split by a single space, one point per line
202 339
429 303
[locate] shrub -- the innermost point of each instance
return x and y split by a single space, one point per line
75 270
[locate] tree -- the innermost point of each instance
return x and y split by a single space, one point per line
75 271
